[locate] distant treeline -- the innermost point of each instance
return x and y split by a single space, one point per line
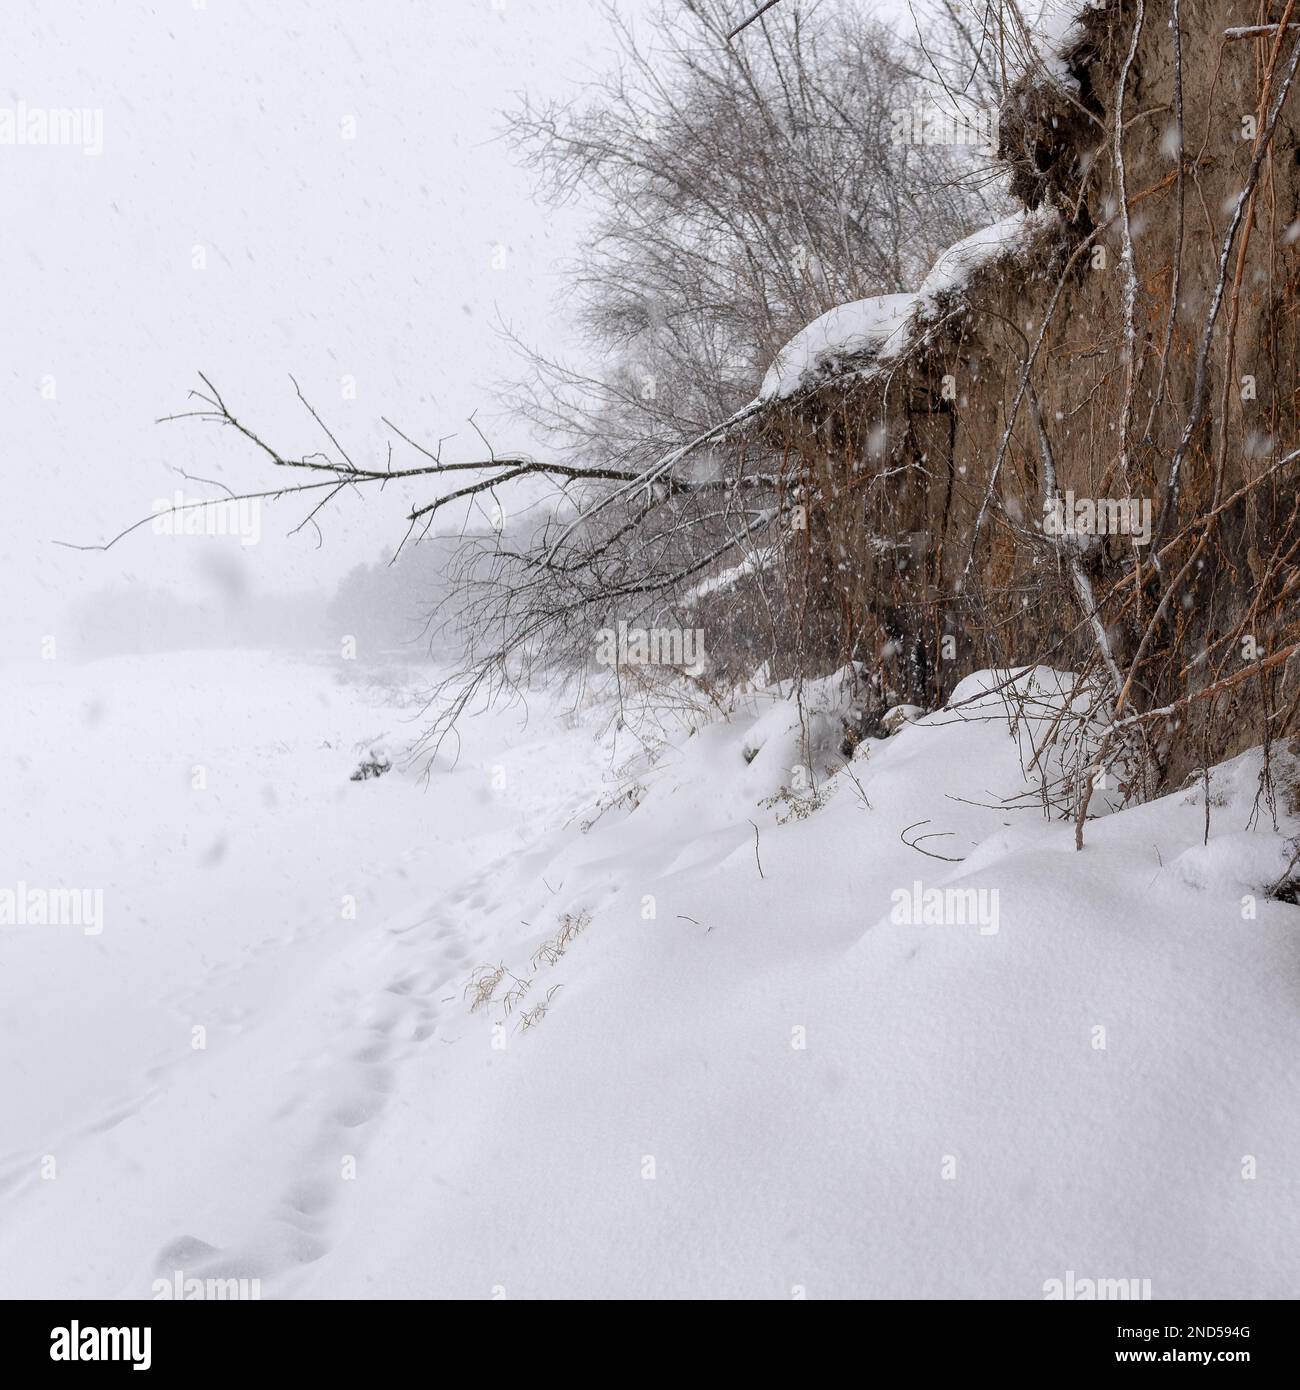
384 607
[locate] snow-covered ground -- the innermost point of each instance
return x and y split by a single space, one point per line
716 1061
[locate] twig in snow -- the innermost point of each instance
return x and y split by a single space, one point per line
931 835
757 860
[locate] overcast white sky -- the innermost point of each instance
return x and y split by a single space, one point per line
327 257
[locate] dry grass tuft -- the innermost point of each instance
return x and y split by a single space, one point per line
486 980
572 925
483 985
530 1018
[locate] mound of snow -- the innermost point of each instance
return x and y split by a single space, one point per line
1241 860
955 266
1040 688
868 326
882 327
898 715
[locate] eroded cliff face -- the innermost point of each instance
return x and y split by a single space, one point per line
1139 352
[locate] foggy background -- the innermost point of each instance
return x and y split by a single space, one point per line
281 189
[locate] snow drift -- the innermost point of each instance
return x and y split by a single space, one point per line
753 1072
